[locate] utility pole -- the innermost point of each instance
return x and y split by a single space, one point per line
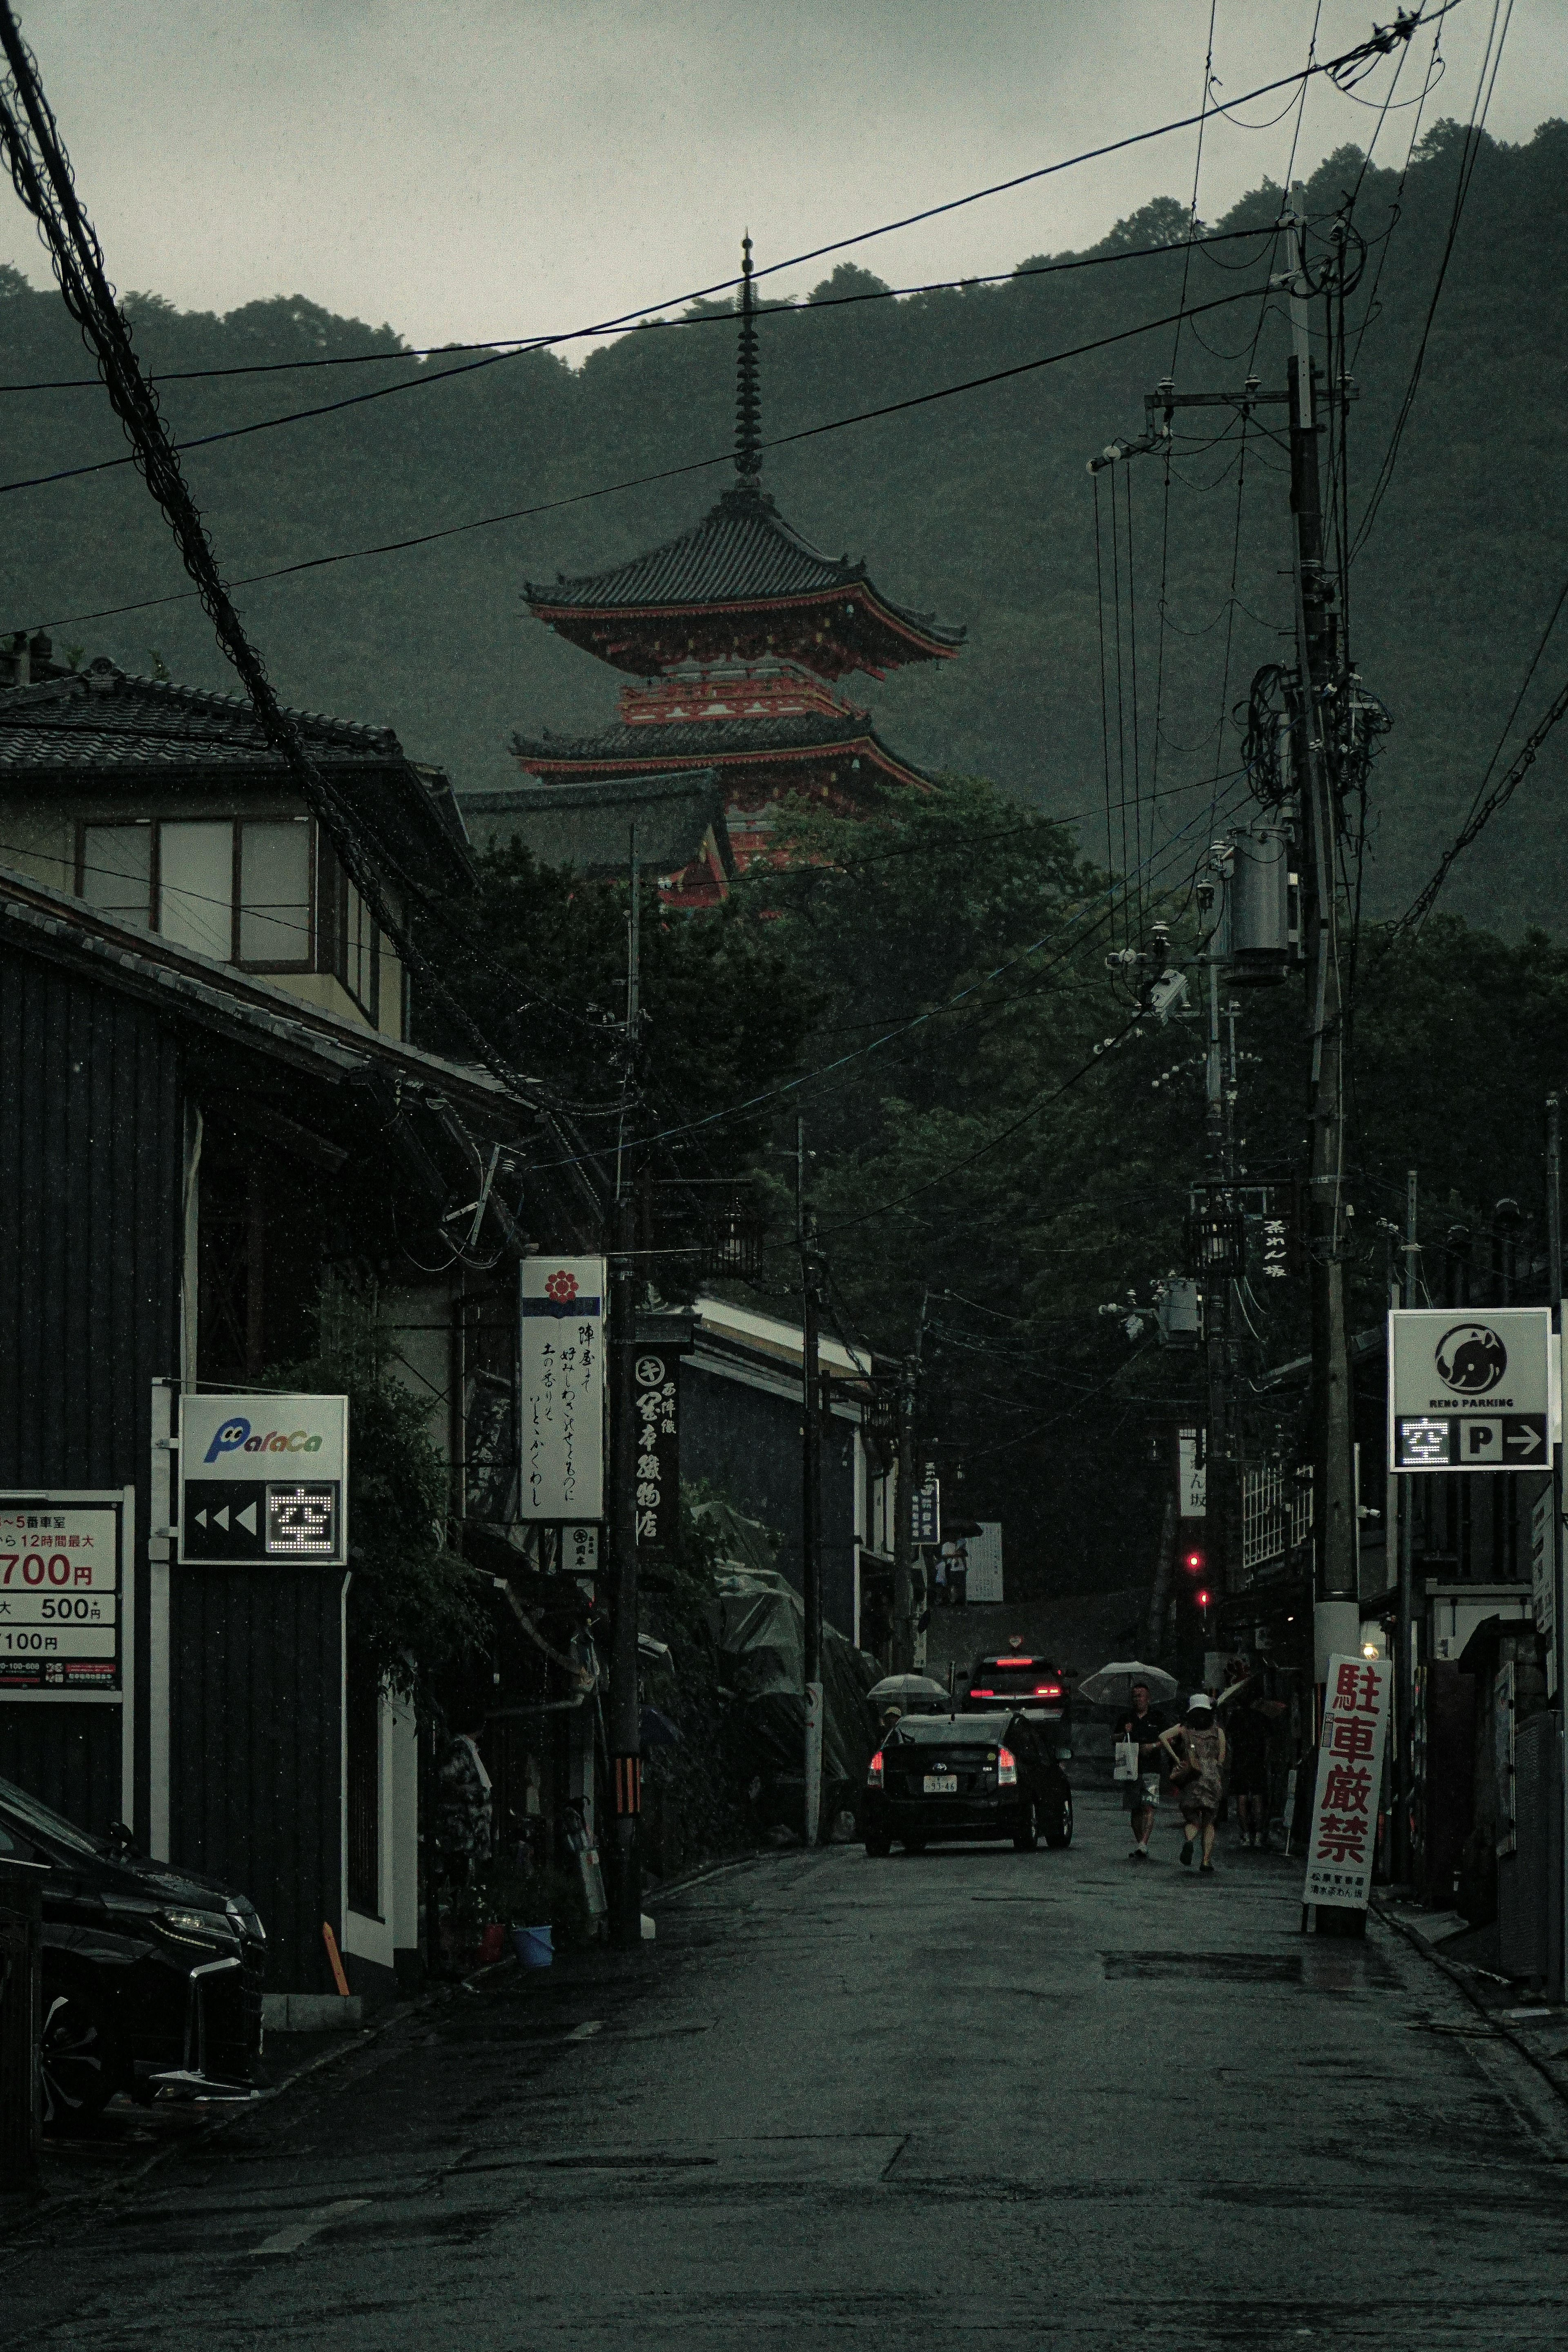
901 1660
626 1702
1335 1598
1324 716
1558 1647
1402 1500
1218 1435
810 1486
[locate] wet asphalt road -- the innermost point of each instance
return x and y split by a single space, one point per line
978 2096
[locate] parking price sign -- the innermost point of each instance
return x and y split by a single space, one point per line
1470 1391
61 1588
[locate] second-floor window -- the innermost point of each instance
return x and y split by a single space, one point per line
258 892
239 890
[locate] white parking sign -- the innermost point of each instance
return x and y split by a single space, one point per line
1471 1389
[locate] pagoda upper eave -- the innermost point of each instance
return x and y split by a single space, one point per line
824 630
750 768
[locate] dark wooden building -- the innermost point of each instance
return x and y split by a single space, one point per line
187 1151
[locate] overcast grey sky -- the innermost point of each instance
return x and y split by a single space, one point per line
471 168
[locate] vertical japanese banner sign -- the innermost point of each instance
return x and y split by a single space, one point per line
562 1307
1343 1842
658 1456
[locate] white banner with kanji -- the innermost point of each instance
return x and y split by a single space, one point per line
562 1311
1343 1841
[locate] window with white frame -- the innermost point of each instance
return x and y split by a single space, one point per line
239 890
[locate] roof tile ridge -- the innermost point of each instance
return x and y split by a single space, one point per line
208 697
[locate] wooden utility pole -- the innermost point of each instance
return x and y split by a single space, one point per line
1312 747
621 1519
1402 1491
810 1486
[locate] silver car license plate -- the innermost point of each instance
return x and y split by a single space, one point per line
942 1784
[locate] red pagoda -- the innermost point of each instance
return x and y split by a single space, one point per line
734 634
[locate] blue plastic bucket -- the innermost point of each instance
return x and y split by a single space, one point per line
533 1945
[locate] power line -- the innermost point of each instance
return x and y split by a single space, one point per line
903 1028
639 321
1469 156
642 481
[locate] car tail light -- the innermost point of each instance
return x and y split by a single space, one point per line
975 1692
874 1771
1048 1690
1006 1769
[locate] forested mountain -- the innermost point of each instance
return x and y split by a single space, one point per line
978 507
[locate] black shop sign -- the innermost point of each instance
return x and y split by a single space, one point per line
658 1456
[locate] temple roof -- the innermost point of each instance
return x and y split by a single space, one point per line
741 557
713 590
587 823
807 740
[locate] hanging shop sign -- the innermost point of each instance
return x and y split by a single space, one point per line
1343 1841
263 1478
925 1513
1192 1478
580 1550
562 1349
1470 1391
659 1455
64 1593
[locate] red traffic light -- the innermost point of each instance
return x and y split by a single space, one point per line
1202 1601
1194 1561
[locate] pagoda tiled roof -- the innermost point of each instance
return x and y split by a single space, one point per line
718 743
742 553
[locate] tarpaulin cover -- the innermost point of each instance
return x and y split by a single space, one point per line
759 1629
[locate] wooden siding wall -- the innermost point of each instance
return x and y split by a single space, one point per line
747 1442
91 1153
256 1771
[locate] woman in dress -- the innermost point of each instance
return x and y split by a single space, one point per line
1196 1749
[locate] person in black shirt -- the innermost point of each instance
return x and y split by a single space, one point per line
1142 1795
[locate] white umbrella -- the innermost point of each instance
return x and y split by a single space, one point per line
907 1687
1112 1685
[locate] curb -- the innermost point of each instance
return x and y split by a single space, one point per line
1504 2031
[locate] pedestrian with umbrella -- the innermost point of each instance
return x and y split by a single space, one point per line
1129 1680
1198 1776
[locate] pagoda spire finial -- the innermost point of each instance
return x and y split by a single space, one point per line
748 400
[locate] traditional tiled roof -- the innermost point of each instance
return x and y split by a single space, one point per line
741 554
101 727
722 743
588 823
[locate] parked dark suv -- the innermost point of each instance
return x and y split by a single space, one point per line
152 1975
965 1776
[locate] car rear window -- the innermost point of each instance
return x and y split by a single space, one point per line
1008 1678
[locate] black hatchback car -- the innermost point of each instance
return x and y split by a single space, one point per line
968 1777
152 1975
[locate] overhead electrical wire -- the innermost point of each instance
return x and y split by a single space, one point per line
1486 83
843 1060
642 321
642 481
